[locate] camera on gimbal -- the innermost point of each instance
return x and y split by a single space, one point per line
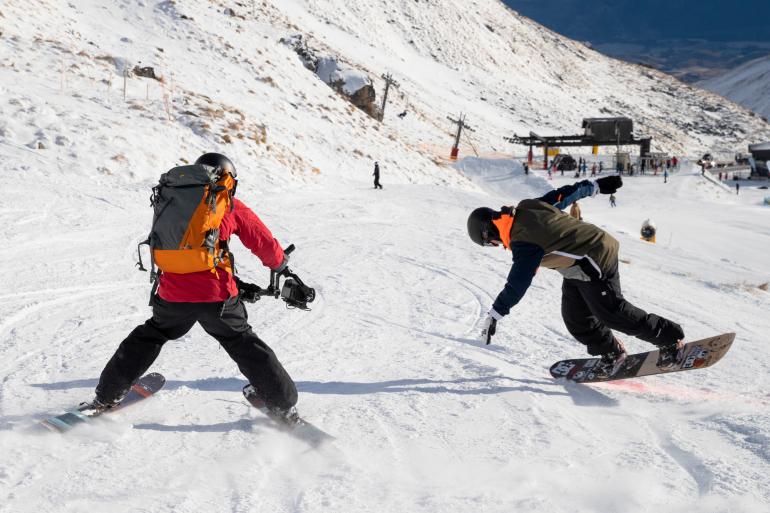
294 292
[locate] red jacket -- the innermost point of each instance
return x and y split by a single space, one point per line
205 286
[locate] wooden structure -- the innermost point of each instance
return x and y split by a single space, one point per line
597 132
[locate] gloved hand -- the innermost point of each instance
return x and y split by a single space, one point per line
489 327
248 292
609 184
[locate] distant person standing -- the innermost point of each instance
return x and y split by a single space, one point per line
612 200
601 167
665 176
737 187
575 212
526 168
674 162
593 169
377 176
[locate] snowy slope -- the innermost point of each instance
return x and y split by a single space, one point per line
425 418
747 85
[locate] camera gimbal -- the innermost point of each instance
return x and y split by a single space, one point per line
294 292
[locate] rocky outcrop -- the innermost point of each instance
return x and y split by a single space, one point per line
353 84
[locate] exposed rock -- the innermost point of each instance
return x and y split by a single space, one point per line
145 71
300 47
355 85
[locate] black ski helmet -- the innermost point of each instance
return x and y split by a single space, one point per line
217 160
481 229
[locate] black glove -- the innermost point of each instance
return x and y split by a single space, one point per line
609 184
248 292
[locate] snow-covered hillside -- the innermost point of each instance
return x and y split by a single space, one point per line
748 85
425 418
227 78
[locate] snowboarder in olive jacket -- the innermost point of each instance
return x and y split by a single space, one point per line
539 234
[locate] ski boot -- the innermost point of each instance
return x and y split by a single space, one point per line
611 361
98 406
284 416
95 407
670 355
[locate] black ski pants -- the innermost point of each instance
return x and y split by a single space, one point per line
592 309
225 321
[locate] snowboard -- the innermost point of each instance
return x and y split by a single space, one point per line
143 388
302 429
698 354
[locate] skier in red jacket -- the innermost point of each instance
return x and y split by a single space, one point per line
211 299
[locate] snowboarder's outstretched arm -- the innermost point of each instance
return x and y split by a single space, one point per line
564 196
526 260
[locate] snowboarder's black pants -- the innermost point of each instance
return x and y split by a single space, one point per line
227 322
591 309
377 183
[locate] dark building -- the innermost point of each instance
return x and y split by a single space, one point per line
760 151
609 129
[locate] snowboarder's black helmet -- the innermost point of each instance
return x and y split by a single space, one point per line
481 229
217 160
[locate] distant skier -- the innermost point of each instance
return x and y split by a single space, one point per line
539 234
402 115
665 176
737 188
526 168
209 297
612 201
377 176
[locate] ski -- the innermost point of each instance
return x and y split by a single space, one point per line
296 427
145 387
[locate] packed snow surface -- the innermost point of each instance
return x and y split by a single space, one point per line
425 418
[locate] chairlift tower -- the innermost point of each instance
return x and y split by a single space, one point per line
388 81
460 122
